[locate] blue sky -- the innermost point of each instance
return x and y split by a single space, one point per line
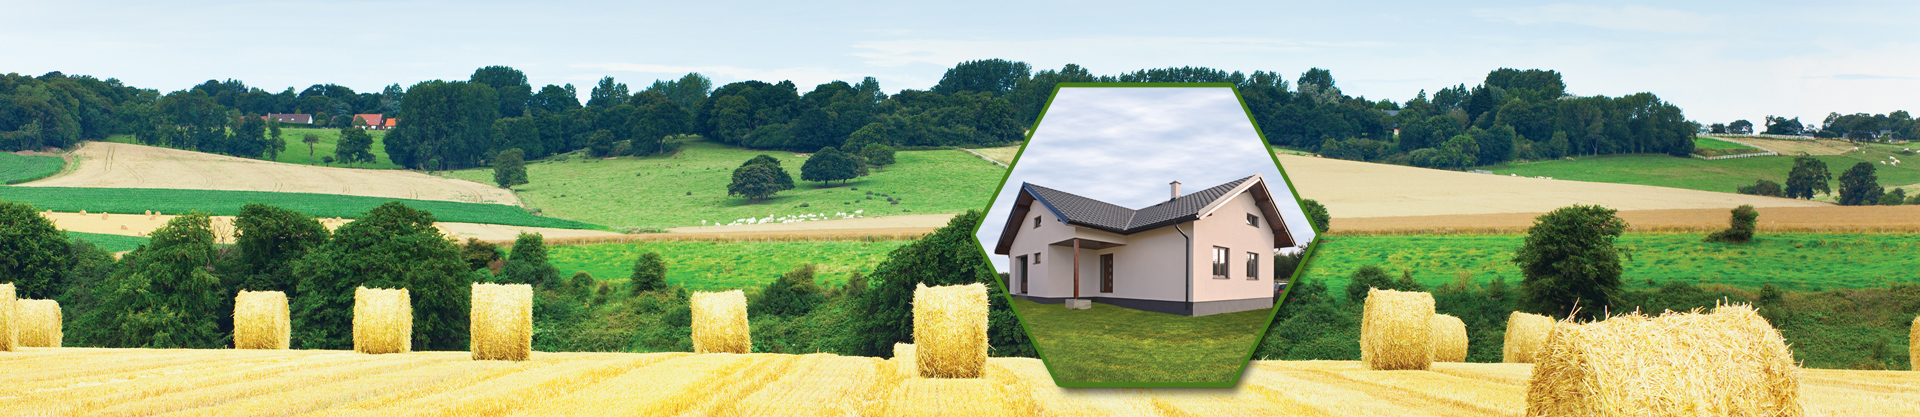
1124 145
1717 60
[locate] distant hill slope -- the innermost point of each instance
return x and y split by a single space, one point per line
123 165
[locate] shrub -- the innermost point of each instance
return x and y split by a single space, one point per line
1763 188
649 273
794 294
1740 227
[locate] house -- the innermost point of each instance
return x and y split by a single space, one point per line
391 122
1209 252
295 118
370 121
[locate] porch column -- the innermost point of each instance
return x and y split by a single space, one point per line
1076 267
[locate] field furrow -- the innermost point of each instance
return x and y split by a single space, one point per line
310 397
822 384
665 388
210 395
512 392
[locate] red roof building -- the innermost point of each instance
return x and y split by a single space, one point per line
372 121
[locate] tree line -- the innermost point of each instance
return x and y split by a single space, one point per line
1897 125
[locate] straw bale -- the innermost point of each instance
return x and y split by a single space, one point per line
39 322
950 330
1449 339
1729 362
903 356
1396 330
8 328
1526 333
720 322
382 320
1913 345
502 322
260 320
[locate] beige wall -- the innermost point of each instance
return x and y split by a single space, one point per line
1148 268
1227 227
1053 277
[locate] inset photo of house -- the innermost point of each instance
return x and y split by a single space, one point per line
1145 233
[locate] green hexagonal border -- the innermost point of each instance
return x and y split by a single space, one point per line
1297 270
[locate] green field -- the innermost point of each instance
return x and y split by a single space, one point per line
16 168
1108 344
296 152
1723 175
1705 146
111 243
1792 261
687 187
711 266
227 203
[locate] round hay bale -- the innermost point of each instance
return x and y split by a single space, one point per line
502 322
1396 330
39 322
8 318
1449 339
1913 346
1526 333
260 320
950 330
903 355
382 320
1730 362
720 322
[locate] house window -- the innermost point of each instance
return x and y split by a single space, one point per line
1253 220
1036 222
1220 262
1253 266
1036 258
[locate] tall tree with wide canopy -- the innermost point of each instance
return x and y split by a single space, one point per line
1808 176
392 246
165 294
446 124
509 85
1569 262
33 253
997 76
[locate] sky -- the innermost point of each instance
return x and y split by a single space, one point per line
1718 60
1124 145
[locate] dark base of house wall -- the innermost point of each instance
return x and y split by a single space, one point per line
1203 308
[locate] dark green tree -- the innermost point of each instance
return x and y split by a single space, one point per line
1740 226
1317 214
1368 276
1569 261
448 124
949 256
355 146
509 86
164 295
391 246
607 93
830 165
1859 186
997 76
92 268
310 139
759 178
510 168
267 241
480 254
794 294
1763 187
527 263
877 154
649 273
581 285
33 253
1894 198
1740 127
1808 176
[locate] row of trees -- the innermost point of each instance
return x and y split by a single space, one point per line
761 177
1859 185
1897 125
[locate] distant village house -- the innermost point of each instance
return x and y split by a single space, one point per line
289 118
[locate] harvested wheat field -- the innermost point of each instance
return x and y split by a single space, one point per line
1809 146
1353 189
144 224
1828 219
141 382
123 165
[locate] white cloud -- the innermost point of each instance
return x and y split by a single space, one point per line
1629 18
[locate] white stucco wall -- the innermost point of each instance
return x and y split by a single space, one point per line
1227 227
1147 268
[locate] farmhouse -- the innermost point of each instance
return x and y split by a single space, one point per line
372 121
1205 253
294 118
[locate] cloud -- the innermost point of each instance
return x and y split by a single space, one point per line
1627 18
946 52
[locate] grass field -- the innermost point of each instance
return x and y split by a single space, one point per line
296 152
1705 146
1723 175
710 266
16 168
1792 261
110 243
1112 344
170 201
690 186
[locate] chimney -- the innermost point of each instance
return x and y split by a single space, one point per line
1176 190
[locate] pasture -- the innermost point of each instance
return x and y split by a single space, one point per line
1791 261
1723 175
713 266
16 168
1108 344
687 187
227 203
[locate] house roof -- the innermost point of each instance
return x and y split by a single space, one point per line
370 119
289 117
1086 212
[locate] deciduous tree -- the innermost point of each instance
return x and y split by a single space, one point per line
1859 186
649 273
33 253
391 246
164 295
1569 262
509 168
1808 176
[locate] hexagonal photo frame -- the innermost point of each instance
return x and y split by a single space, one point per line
1121 273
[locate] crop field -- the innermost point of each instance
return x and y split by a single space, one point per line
691 186
1003 154
1791 261
710 266
146 382
119 165
1108 344
1723 175
227 203
16 168
110 243
1828 219
1707 146
296 152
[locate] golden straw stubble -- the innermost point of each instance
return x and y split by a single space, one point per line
903 356
1526 333
260 320
1729 362
8 317
382 320
1396 330
502 322
39 323
1913 345
720 322
950 330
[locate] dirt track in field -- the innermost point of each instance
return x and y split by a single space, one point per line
122 165
143 225
1832 219
1352 189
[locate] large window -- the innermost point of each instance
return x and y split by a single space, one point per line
1220 262
1253 266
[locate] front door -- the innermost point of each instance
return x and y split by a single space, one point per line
1020 271
1106 273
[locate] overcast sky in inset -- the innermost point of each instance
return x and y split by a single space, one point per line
1717 60
1124 145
